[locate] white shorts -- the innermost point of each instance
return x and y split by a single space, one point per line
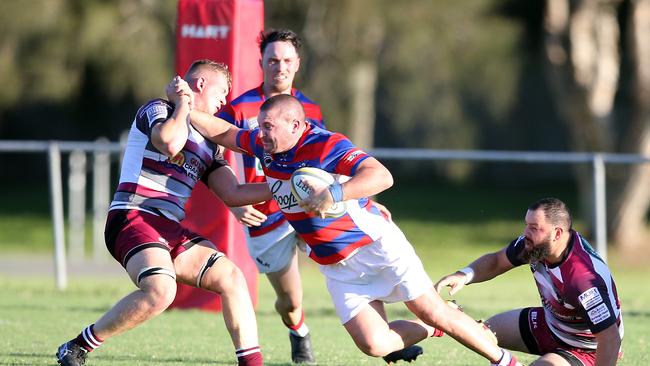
387 270
273 251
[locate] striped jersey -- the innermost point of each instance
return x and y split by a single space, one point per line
153 182
330 239
242 112
578 294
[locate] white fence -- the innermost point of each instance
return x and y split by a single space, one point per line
102 149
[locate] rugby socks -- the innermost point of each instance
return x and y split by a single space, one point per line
437 333
249 356
507 359
87 339
299 329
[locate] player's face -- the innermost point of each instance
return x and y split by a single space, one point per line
539 236
280 62
277 131
213 94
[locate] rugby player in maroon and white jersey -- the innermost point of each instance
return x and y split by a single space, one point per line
164 159
580 321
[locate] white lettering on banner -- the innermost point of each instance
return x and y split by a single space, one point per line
210 31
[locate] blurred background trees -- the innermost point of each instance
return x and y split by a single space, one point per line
554 75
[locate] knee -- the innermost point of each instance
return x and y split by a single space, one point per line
159 295
227 280
374 346
436 314
285 303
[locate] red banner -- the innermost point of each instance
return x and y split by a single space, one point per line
226 31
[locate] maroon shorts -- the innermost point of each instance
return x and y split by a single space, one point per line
129 231
540 340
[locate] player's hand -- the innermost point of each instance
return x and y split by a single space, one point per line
384 211
179 91
248 215
319 201
455 282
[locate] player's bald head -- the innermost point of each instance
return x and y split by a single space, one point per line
289 105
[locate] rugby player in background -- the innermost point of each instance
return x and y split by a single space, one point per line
271 241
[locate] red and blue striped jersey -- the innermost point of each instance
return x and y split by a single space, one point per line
242 112
330 239
578 294
153 182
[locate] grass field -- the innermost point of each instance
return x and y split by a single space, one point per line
449 229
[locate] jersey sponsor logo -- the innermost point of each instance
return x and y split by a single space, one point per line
590 298
283 195
599 313
192 167
252 123
267 159
258 168
210 31
155 112
354 155
533 318
178 159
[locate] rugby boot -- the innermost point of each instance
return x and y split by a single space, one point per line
301 352
71 354
407 354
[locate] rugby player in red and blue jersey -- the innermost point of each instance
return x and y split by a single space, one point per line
580 321
271 241
365 258
164 159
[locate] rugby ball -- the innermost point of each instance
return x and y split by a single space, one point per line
303 178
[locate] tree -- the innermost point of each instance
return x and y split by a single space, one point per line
583 43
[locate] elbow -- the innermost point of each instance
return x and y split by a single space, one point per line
388 180
229 201
171 149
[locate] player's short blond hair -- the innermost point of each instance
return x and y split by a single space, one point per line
206 64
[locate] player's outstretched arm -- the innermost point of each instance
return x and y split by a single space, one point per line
215 129
483 269
224 184
248 215
609 344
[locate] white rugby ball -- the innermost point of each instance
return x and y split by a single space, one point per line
315 177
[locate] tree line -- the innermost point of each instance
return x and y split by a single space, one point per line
551 75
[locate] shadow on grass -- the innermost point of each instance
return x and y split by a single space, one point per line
636 314
48 308
27 358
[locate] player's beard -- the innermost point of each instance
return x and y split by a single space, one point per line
537 252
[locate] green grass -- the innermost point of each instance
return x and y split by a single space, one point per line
448 226
35 319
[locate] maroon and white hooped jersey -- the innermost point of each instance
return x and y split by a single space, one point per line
578 294
153 182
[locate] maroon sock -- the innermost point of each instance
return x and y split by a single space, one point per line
249 356
437 333
87 339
